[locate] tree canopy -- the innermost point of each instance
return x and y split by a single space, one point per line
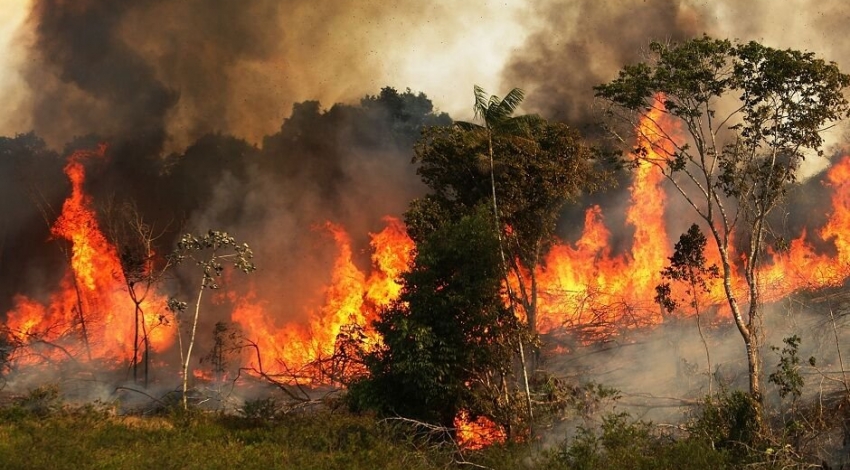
537 168
448 339
749 115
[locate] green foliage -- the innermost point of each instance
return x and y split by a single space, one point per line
208 251
262 410
39 402
448 340
687 265
530 166
730 422
624 443
90 437
787 375
786 98
87 438
747 115
497 113
534 177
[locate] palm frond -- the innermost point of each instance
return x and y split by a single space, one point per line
480 105
495 111
512 100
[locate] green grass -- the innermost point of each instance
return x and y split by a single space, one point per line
82 439
40 434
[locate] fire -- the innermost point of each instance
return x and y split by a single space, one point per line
585 286
351 298
801 267
478 433
90 314
392 253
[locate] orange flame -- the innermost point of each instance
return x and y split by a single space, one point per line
91 300
585 286
582 285
350 298
478 433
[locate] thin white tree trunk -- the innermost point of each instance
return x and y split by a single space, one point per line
191 345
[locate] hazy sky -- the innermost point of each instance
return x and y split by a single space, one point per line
240 66
437 48
12 15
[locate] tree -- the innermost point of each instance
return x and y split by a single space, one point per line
497 116
689 266
142 268
208 251
524 167
750 114
532 166
449 339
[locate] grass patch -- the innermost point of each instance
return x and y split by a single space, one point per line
60 437
89 438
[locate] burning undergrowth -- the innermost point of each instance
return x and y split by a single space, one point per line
319 277
590 295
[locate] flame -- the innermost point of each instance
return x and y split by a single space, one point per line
351 298
478 433
801 266
585 286
91 303
392 254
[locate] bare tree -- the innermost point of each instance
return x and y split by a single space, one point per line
209 252
142 268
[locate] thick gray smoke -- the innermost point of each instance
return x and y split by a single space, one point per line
87 79
578 44
582 44
200 66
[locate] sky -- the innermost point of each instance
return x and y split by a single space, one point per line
239 67
12 16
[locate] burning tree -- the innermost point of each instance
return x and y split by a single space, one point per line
142 268
523 167
209 252
751 114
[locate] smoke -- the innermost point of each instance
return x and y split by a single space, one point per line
180 70
87 79
579 44
582 44
662 375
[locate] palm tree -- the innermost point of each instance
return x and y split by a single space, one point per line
497 115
